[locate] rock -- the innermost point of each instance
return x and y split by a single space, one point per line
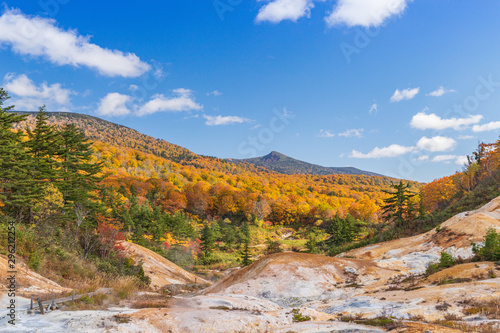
351 270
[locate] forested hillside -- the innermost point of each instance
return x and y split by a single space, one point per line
97 129
478 183
222 189
75 186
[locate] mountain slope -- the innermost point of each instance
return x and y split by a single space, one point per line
97 129
284 164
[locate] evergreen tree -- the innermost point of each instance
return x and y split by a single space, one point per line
79 175
245 233
207 240
422 213
42 147
14 163
398 206
246 257
313 241
344 230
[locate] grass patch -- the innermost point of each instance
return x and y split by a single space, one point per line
122 319
124 287
388 323
299 317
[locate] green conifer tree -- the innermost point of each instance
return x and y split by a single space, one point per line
246 257
15 183
79 176
245 238
207 240
398 206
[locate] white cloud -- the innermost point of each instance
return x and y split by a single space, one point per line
424 121
459 160
462 160
465 137
365 13
352 132
87 93
440 92
280 10
224 120
437 143
114 105
182 101
373 109
133 87
443 158
492 126
182 91
41 37
214 93
30 96
405 94
390 151
326 134
423 158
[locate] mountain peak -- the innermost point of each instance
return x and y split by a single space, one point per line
281 163
274 156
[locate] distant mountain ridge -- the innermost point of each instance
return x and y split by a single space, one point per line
122 136
97 129
281 163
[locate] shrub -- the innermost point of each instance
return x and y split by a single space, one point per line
273 246
446 260
34 261
312 243
344 230
432 268
299 317
490 251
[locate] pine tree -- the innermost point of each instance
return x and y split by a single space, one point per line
344 230
79 177
245 238
42 148
245 233
15 183
422 213
207 240
398 206
246 257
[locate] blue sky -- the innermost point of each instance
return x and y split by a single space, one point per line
403 88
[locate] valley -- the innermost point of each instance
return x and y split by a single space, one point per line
194 243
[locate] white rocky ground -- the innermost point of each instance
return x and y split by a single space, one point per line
380 280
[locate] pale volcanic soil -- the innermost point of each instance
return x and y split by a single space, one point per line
28 281
383 280
161 271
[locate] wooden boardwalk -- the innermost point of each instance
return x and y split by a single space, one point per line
66 299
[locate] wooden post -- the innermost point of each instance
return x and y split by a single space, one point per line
40 305
53 304
195 282
73 297
30 310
